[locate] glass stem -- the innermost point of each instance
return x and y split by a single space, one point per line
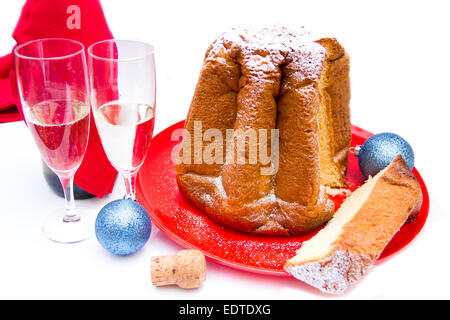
71 214
130 184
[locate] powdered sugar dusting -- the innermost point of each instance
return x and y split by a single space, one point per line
333 274
269 198
263 50
219 185
272 38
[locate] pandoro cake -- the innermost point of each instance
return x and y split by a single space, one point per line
264 79
352 241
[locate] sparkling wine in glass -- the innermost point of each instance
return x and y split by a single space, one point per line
123 84
60 129
53 87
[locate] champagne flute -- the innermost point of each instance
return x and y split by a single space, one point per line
123 96
53 88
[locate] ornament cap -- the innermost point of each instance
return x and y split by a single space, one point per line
355 150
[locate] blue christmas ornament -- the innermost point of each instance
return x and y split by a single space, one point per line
123 227
379 150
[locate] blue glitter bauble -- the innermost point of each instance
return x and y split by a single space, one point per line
123 227
379 151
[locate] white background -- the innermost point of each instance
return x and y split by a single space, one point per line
400 82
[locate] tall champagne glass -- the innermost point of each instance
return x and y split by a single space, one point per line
53 87
123 93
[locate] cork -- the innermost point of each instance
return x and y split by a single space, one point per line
186 269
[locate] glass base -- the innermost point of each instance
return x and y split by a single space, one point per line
57 230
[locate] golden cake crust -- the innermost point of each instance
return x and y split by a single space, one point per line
269 79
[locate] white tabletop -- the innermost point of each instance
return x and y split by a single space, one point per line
400 68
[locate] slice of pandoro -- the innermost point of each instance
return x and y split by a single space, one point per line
353 240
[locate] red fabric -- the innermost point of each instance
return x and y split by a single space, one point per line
51 19
7 98
10 115
5 65
8 110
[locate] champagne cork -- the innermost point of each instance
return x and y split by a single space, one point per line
186 269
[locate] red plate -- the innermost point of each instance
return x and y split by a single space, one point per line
158 192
